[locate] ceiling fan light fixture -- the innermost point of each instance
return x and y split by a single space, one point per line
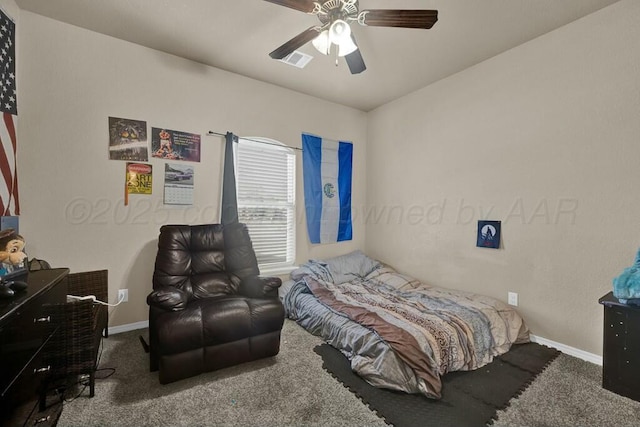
339 32
346 47
322 43
335 17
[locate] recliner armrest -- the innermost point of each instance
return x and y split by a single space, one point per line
260 287
168 298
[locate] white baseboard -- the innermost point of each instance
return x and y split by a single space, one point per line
571 351
128 327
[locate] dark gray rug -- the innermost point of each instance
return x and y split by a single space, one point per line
468 398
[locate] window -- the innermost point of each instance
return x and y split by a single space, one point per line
265 182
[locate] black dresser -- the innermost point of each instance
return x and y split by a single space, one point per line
621 352
28 321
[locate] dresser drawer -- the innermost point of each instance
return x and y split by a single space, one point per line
24 335
27 380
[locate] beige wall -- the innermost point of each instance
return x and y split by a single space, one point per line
546 138
543 137
11 8
71 80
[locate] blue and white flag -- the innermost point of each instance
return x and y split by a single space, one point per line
327 168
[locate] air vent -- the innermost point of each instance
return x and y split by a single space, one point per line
297 59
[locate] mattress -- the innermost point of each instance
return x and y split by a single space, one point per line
398 332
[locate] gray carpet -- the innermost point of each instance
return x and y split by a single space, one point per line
290 389
569 393
293 389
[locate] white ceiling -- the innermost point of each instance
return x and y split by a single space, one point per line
237 35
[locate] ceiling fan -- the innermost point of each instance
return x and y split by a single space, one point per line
335 17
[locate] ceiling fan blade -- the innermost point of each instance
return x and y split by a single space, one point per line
299 40
354 60
399 18
305 6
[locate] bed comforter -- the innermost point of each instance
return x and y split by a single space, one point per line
397 332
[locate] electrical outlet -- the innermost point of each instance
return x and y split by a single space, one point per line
513 298
123 295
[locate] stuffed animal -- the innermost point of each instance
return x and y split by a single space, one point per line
12 257
626 287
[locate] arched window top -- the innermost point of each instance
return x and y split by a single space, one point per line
266 143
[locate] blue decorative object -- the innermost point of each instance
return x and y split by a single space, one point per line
627 285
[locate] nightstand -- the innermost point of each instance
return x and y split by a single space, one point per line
621 350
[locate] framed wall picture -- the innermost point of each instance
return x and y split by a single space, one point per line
488 234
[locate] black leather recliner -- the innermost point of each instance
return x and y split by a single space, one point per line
209 308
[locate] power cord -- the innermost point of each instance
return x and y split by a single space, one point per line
95 301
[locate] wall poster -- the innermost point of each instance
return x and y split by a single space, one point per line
175 145
488 234
139 178
128 140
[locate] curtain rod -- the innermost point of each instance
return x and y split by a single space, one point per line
255 140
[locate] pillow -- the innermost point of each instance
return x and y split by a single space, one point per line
344 268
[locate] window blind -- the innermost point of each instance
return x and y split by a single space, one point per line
265 183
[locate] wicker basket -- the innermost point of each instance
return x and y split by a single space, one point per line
75 348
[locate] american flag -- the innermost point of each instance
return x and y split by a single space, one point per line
9 107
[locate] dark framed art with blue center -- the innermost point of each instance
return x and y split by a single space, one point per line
488 234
